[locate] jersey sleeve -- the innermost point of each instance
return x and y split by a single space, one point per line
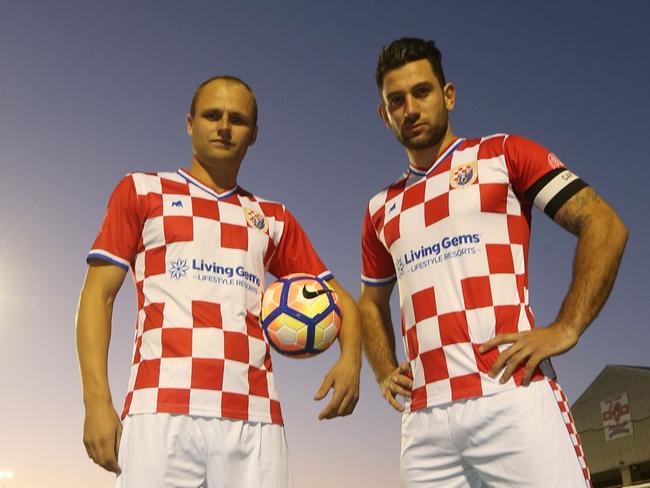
539 175
121 229
295 253
377 266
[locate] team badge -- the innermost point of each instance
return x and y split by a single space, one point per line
464 175
256 220
554 161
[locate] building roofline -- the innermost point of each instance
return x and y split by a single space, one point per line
645 369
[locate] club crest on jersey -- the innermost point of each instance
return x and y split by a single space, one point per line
464 175
256 220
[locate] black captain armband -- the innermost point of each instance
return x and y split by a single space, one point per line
553 190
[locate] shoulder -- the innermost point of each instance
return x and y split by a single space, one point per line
484 147
380 198
270 208
155 182
521 143
507 145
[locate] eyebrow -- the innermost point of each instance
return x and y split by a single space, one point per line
393 93
209 111
421 84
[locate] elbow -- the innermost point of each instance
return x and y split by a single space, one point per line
618 232
94 298
608 227
625 235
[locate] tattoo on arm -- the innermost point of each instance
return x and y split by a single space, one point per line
601 240
575 215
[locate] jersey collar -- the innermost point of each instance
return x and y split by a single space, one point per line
418 172
191 179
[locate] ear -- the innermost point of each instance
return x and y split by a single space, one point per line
449 92
189 124
383 114
253 136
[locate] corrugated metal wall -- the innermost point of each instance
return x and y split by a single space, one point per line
602 454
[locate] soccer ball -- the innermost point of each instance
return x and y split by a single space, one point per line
301 315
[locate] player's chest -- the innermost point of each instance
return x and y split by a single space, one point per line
462 197
207 227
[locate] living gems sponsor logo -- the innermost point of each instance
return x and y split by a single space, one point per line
449 247
213 272
178 269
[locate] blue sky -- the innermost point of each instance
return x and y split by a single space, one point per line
89 92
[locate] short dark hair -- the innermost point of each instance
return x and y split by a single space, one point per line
405 50
234 79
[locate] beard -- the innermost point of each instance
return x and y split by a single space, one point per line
431 137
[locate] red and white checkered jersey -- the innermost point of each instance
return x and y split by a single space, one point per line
456 238
199 260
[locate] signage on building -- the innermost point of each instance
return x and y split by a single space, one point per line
617 419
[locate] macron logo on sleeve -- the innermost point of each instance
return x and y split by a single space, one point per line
177 203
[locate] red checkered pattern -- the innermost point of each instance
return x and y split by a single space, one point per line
456 238
199 261
563 404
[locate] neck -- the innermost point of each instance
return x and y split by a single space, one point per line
220 175
424 158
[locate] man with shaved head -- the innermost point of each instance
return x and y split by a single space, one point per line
201 407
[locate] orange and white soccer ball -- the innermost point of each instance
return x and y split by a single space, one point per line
301 315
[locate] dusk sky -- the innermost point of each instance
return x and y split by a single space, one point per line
91 91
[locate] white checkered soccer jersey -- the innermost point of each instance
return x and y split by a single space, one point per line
199 259
456 238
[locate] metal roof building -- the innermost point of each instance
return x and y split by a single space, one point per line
613 419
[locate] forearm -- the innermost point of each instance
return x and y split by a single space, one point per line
378 338
350 333
93 331
601 241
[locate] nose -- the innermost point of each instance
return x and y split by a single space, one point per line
224 127
411 107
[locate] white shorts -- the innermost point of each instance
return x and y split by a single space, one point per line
181 451
520 437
